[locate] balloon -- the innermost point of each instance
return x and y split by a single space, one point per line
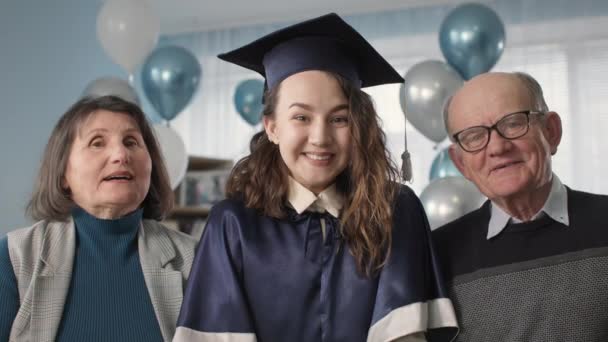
443 166
128 31
472 38
248 100
170 76
446 199
174 152
427 86
105 86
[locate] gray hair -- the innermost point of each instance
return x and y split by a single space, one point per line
534 90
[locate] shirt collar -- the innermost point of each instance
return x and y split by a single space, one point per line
302 199
556 206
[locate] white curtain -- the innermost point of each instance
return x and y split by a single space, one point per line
562 44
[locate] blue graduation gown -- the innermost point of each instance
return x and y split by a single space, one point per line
257 277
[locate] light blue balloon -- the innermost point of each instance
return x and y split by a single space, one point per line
472 38
443 166
170 76
248 100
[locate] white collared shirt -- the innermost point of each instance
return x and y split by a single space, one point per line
302 199
556 206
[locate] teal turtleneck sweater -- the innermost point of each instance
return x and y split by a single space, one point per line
108 298
9 295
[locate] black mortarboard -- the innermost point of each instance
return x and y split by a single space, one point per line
325 43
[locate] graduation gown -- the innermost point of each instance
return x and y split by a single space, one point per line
257 278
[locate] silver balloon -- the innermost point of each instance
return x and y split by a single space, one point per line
105 86
446 199
426 88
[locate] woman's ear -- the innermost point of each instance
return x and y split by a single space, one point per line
65 186
270 126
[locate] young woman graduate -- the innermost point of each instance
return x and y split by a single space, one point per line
317 240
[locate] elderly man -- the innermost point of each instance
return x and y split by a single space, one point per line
532 263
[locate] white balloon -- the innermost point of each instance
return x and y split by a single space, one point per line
128 31
174 152
105 86
446 199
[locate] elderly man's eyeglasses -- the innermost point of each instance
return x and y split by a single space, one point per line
511 126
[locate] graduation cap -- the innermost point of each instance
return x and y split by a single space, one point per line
325 43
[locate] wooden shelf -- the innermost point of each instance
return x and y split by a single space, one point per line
197 163
204 163
189 212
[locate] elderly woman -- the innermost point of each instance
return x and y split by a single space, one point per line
97 266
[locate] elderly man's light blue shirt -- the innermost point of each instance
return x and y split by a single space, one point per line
556 206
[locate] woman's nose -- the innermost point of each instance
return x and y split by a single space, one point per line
320 133
120 154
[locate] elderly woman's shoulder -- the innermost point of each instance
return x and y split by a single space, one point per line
159 241
155 228
35 233
27 243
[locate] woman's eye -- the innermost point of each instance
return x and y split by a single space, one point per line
131 142
299 117
339 120
96 142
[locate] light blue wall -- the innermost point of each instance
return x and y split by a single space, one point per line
48 53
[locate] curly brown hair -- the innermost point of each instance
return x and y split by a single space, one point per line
369 183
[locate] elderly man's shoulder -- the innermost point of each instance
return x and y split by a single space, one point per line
587 207
465 229
589 199
457 242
